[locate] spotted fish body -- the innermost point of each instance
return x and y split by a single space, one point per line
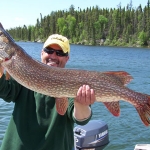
109 87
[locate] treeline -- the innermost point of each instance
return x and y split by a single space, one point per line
127 26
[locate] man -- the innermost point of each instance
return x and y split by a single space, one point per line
35 123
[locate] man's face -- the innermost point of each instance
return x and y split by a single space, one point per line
53 59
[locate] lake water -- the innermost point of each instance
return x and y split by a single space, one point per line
125 131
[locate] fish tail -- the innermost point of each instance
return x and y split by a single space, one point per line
144 112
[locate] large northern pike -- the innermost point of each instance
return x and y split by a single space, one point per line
109 87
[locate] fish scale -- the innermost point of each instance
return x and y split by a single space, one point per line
109 87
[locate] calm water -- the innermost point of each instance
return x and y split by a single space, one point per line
124 131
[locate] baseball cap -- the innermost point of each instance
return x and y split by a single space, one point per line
60 40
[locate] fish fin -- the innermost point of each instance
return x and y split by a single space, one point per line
7 76
1 71
144 112
113 107
61 105
124 77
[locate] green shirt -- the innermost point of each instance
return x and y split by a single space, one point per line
35 123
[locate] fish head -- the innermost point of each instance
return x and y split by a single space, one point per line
7 48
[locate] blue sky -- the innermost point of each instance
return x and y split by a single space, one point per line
14 13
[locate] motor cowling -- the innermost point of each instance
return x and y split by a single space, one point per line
93 135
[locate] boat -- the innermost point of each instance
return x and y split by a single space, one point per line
142 147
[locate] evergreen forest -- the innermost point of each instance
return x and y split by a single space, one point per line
127 26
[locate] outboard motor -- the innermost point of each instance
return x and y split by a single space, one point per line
92 136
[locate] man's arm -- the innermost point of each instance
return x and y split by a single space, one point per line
85 97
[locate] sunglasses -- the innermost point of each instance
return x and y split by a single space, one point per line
50 50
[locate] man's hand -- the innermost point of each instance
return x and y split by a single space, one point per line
85 97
